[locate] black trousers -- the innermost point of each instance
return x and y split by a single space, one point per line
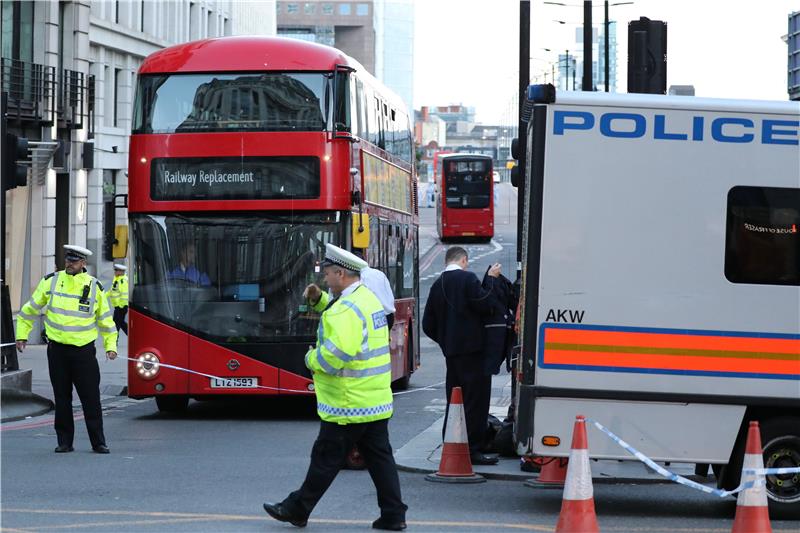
75 365
119 318
468 372
328 456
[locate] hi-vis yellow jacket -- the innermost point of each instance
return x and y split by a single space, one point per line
119 291
77 308
351 361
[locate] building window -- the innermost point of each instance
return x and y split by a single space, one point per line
344 9
362 10
117 92
327 9
762 243
292 8
309 9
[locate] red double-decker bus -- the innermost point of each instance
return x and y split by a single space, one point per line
465 204
247 156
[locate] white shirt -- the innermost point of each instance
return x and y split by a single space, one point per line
453 266
350 288
378 283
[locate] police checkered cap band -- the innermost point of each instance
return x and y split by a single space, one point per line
73 251
340 257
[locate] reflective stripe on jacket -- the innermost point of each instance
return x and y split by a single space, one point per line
351 360
119 291
77 308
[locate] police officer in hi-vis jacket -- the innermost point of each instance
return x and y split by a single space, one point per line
119 296
352 372
77 306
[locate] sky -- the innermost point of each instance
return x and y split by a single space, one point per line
466 51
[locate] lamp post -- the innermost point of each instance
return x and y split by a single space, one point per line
606 26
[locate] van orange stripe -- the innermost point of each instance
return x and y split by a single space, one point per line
672 340
669 362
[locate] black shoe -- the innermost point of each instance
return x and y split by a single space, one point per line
63 448
483 459
101 448
279 512
389 525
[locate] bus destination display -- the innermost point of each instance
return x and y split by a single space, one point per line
234 178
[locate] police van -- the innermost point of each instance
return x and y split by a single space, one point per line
661 280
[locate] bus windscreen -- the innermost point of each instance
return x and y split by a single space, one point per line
269 101
230 278
468 184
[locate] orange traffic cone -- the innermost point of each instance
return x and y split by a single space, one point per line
752 515
577 506
552 474
455 465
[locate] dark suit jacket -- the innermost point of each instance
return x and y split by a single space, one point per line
453 313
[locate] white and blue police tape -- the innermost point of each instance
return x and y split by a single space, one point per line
7 344
279 389
688 482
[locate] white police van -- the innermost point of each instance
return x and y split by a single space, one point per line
661 280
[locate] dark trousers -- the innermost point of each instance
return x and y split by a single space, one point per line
75 365
119 318
468 372
328 456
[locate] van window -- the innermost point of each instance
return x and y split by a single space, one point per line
762 244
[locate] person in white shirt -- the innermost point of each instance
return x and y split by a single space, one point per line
377 282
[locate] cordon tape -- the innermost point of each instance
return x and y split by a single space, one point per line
279 389
688 482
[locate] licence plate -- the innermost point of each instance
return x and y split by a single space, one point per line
234 383
468 233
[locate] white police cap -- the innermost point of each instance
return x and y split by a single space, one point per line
75 253
337 256
117 266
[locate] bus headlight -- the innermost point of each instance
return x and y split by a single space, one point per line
147 365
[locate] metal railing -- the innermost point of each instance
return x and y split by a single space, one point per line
31 91
72 99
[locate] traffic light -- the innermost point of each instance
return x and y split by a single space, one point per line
515 168
647 56
14 173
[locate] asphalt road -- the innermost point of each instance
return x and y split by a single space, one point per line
210 469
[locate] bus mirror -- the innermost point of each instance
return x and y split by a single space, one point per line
120 248
360 230
515 148
515 176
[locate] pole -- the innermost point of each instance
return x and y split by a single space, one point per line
9 353
587 46
566 74
522 137
605 35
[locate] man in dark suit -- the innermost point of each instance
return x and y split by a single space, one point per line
453 318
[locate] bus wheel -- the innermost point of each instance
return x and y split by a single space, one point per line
405 381
172 404
781 442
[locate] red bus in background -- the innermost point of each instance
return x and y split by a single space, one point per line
247 155
465 205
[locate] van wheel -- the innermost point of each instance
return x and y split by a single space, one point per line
780 438
172 404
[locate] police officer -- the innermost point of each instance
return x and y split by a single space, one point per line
119 296
352 378
77 306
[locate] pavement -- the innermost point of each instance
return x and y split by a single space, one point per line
421 454
19 405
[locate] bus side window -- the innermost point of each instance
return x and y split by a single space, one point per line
361 119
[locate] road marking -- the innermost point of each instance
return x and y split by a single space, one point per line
174 517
